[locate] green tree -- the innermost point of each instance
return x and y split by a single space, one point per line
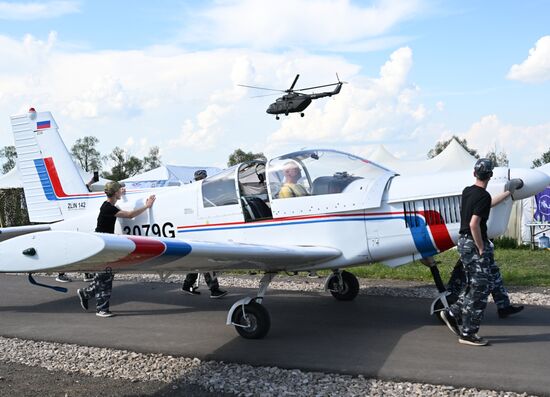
85 152
239 156
544 159
498 159
441 145
125 165
152 160
8 156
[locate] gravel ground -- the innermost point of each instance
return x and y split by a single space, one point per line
28 368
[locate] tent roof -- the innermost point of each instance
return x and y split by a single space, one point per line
453 157
171 174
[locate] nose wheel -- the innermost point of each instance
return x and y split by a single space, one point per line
250 319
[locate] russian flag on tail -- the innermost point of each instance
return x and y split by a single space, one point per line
42 125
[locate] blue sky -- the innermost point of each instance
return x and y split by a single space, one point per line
137 74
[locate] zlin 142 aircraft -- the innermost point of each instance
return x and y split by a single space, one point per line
345 212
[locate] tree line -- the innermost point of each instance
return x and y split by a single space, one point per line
124 165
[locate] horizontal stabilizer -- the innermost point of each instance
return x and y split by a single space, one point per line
11 232
78 251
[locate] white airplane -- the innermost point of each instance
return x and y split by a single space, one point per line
349 212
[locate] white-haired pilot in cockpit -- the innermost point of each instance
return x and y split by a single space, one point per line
291 187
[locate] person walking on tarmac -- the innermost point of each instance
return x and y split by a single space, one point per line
102 283
210 278
464 317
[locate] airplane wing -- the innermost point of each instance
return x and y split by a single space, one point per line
79 251
10 232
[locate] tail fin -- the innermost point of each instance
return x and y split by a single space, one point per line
47 171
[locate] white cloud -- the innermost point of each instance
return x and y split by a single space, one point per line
300 23
536 68
37 10
522 144
204 134
189 102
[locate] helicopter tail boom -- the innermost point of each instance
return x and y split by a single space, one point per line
330 93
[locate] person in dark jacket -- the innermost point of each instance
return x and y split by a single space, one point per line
211 280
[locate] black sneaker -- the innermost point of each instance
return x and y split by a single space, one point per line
190 290
450 321
217 293
83 299
88 277
472 340
503 313
104 313
63 278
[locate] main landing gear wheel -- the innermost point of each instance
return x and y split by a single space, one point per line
251 321
346 290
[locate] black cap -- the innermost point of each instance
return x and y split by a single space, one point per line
200 174
483 169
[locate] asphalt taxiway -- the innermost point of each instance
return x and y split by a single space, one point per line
385 337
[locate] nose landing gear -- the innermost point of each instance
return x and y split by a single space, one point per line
250 319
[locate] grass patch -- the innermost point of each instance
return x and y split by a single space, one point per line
517 266
521 267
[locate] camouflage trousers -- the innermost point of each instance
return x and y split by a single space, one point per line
472 301
101 288
211 280
458 281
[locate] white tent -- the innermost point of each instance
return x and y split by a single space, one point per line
535 210
10 180
166 175
453 157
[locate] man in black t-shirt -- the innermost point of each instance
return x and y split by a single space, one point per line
102 284
476 254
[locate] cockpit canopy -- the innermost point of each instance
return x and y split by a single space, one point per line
318 172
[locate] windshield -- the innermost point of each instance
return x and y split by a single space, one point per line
220 189
316 172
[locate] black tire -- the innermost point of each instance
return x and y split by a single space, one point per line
259 319
350 290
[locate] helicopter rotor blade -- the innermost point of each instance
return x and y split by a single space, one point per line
260 88
319 86
294 83
261 96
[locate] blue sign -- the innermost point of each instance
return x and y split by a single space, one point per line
542 211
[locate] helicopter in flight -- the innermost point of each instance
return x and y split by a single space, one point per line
295 101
